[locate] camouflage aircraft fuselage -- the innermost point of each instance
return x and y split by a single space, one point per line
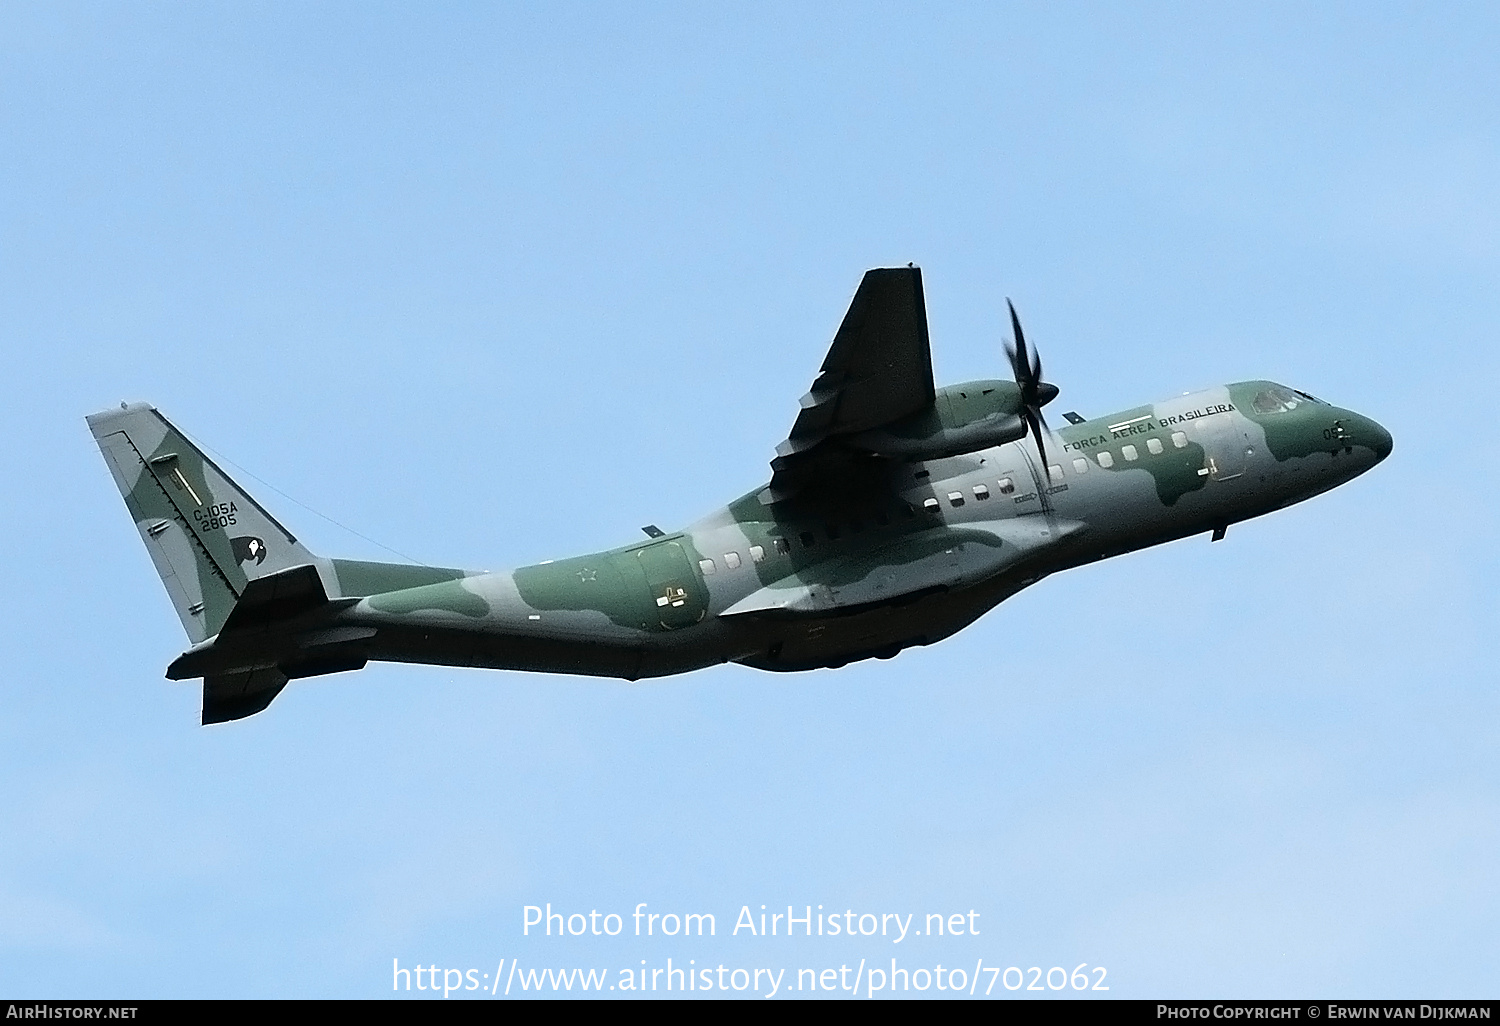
905 553
962 534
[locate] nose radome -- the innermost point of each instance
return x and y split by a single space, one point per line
1368 433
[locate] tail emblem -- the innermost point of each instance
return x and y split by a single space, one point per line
246 549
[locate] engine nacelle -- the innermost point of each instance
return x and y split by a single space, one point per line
964 418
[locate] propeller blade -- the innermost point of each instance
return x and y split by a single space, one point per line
1026 365
1038 426
1015 325
1020 365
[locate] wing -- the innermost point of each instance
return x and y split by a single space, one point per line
878 371
938 559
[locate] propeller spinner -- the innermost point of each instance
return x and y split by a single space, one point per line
1035 393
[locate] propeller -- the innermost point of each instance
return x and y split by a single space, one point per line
1035 393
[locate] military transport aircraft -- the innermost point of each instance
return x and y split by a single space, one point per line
897 513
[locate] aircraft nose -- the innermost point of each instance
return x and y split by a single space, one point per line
1370 434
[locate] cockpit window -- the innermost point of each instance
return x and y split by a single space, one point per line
1281 400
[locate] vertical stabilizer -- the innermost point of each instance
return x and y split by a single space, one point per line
207 537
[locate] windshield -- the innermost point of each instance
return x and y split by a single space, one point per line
1277 399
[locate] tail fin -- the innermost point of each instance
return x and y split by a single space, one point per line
207 537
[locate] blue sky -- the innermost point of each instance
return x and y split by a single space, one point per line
492 285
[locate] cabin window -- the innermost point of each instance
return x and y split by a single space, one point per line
1080 465
808 539
782 546
1179 439
1106 460
981 492
757 553
957 498
1130 453
732 560
1007 486
1055 472
1153 446
707 566
930 505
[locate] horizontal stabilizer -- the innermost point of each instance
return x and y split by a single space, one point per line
267 640
278 597
233 696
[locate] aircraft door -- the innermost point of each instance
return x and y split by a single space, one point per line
679 598
1225 443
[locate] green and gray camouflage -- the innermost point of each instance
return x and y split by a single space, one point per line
896 515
